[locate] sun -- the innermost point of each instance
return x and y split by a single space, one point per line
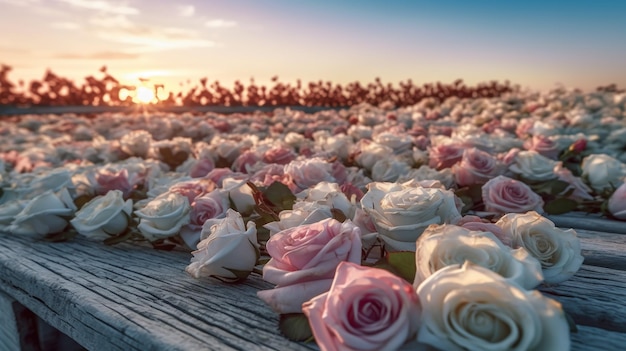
144 95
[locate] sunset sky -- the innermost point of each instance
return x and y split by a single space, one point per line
536 44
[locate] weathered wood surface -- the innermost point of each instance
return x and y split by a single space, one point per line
132 297
588 221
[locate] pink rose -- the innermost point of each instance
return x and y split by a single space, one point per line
280 155
307 173
444 155
193 188
304 259
201 168
365 309
476 167
617 202
208 206
245 161
504 195
107 180
544 146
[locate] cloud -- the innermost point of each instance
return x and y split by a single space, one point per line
104 55
144 38
20 2
65 25
186 10
103 6
220 23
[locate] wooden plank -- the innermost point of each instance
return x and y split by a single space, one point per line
594 297
132 297
590 338
18 326
588 221
603 249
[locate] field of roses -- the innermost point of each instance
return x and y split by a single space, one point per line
380 227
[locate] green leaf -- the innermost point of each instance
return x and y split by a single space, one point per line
338 215
560 206
280 196
295 326
404 264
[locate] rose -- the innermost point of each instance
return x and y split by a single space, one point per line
163 216
617 202
369 154
476 167
303 212
558 250
205 207
444 245
307 173
476 223
469 307
365 309
502 195
240 193
201 167
533 166
46 213
602 172
229 252
136 143
329 194
280 155
245 161
444 155
192 188
304 259
445 176
577 190
402 212
54 181
104 215
388 169
8 211
544 146
398 142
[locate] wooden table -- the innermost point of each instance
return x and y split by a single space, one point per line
132 297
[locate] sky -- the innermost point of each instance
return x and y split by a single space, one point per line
537 44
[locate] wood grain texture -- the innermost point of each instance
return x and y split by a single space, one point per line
132 297
9 335
597 339
588 221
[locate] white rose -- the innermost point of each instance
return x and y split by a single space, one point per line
401 212
163 216
445 176
136 143
389 169
558 250
309 172
104 215
303 212
371 153
444 245
229 252
240 193
603 172
54 181
45 214
8 211
399 143
472 308
533 166
329 194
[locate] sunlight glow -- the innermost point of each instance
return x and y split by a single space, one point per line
144 95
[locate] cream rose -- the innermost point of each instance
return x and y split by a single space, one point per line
329 194
365 309
229 251
389 169
163 216
617 202
558 250
240 193
402 212
603 172
533 166
104 215
469 307
444 245
47 213
302 213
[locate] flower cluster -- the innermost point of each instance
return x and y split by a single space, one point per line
379 226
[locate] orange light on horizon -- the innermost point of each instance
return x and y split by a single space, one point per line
144 95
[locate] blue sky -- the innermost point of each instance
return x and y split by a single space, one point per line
536 44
